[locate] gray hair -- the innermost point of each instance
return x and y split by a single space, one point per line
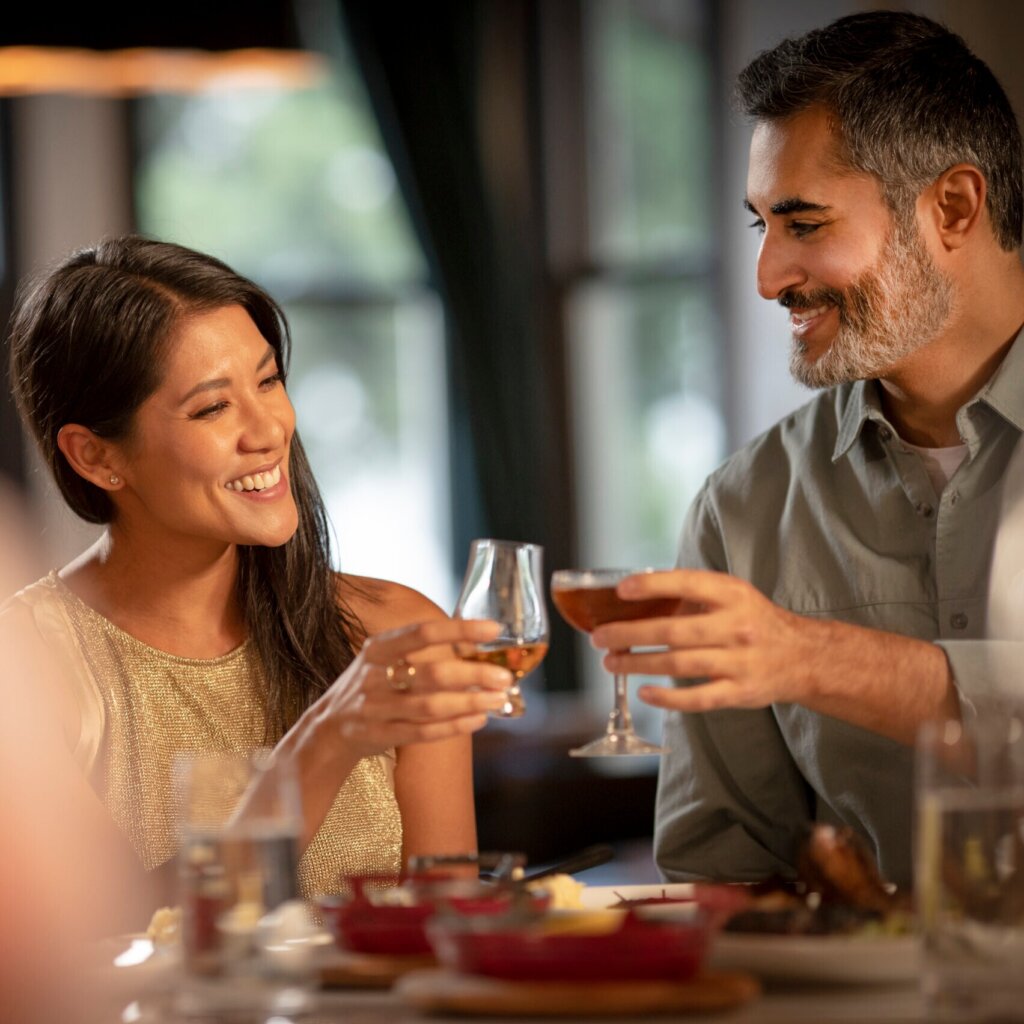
911 101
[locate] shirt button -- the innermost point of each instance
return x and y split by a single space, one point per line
885 433
954 497
922 508
958 621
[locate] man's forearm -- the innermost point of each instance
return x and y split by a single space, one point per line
884 682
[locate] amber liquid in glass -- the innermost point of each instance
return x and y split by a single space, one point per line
519 659
586 608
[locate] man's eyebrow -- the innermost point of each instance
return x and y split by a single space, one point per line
223 382
793 204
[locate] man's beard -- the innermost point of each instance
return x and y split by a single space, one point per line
893 310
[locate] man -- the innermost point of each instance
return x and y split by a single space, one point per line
851 542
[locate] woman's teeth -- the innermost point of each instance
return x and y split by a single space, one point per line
802 318
256 482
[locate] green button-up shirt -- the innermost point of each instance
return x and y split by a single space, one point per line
829 514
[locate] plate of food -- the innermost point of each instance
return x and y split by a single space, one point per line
838 923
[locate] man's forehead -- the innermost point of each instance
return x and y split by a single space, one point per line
797 158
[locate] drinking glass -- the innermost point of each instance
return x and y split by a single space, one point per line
586 599
245 931
970 866
503 582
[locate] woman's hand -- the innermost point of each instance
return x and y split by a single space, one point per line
408 686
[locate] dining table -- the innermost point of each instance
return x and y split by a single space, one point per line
898 1004
795 986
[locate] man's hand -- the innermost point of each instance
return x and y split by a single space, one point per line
753 653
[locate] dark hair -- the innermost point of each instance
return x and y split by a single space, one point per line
911 101
88 341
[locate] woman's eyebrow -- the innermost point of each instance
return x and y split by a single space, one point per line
223 382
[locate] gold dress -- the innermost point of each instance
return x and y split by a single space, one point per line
140 708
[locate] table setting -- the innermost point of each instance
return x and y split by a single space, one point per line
662 954
488 936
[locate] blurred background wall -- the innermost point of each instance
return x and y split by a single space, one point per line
509 238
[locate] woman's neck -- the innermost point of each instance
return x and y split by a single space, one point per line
179 598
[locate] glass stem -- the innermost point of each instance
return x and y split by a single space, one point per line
620 720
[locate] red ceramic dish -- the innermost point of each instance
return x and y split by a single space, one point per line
639 950
367 922
364 928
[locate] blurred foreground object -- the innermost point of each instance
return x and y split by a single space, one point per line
53 878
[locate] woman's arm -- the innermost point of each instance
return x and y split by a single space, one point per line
433 781
429 725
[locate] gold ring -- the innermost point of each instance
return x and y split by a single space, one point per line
400 683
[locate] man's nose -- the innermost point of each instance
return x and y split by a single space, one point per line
777 268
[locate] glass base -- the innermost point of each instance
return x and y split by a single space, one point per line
617 744
245 1000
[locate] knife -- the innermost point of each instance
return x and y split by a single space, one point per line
588 858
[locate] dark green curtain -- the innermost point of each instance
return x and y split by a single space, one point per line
453 85
12 446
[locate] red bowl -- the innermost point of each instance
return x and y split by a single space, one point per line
366 922
638 950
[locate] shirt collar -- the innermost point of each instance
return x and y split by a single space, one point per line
1003 392
861 403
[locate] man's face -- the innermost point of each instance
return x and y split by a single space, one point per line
861 288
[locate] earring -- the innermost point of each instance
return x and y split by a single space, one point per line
114 478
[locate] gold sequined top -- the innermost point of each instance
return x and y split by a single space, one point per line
140 708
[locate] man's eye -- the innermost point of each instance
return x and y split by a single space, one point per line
801 228
758 225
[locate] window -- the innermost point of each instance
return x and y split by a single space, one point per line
643 344
292 188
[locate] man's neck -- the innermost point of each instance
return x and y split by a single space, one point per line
923 393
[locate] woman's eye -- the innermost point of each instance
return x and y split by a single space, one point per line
269 382
210 410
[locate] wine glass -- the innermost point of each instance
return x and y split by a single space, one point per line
503 583
586 599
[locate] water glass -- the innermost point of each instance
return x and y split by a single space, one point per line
970 867
245 931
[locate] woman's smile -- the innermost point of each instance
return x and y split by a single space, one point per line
259 481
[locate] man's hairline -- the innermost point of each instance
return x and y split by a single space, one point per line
840 162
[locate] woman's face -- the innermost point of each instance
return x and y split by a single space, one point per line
208 455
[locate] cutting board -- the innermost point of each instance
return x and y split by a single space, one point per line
441 991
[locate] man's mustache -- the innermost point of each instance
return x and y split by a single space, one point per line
811 300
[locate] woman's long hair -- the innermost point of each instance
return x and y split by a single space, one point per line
88 341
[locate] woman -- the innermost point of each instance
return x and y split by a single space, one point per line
207 616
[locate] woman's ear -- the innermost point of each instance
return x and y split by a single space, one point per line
957 203
90 456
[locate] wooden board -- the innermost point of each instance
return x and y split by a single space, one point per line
441 991
343 969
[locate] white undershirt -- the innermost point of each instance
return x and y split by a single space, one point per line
940 463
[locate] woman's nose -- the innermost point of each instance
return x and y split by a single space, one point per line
777 269
267 424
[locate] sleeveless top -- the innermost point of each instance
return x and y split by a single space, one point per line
141 708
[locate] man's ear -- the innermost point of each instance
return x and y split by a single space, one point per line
955 203
90 456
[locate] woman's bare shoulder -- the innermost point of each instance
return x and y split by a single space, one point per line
383 604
